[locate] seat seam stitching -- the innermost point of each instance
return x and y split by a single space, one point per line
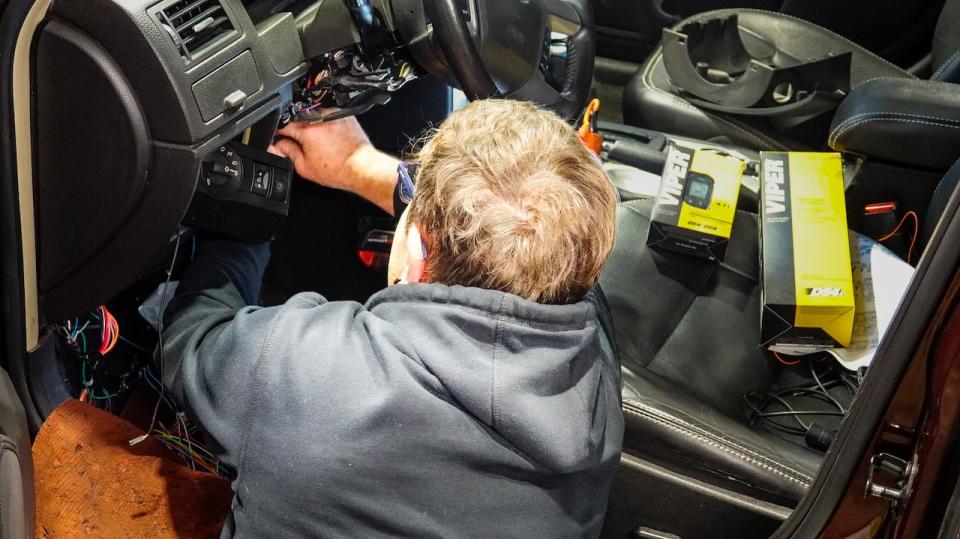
720 443
651 410
840 132
856 117
882 78
944 65
727 450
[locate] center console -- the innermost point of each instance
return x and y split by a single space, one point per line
634 158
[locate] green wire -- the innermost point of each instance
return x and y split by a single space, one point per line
83 374
84 337
105 397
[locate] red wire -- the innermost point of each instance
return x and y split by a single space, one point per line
104 329
785 362
110 331
913 238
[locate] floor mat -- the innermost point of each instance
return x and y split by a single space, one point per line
92 483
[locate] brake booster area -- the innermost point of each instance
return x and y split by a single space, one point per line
697 202
807 291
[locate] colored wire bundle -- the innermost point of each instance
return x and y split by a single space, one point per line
195 455
179 439
109 331
75 335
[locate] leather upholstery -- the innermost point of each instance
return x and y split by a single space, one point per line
913 122
687 332
945 51
686 335
938 203
694 438
650 101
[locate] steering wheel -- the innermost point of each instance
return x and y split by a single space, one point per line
501 48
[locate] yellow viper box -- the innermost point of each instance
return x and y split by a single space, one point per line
697 202
807 283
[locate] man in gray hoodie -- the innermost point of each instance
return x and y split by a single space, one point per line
477 397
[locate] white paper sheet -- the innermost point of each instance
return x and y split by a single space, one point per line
880 279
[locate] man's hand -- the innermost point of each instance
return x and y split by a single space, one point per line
338 154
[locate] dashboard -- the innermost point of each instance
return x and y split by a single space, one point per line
139 105
154 115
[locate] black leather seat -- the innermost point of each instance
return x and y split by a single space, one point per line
650 100
687 333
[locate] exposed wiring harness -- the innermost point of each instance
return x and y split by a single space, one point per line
827 393
182 438
75 333
163 306
179 435
109 331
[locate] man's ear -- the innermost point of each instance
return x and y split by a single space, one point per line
416 257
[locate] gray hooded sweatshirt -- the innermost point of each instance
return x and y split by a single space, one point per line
430 411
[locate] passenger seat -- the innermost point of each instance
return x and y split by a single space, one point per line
651 101
688 333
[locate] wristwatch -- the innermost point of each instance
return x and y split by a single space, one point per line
403 192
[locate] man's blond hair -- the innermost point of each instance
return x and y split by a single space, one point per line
509 199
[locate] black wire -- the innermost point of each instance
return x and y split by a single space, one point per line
763 405
771 423
819 391
813 372
163 301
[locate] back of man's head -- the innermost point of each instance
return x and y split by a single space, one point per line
509 199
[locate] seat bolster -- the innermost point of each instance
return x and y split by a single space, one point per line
694 439
908 121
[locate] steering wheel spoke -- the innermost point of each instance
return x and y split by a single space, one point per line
501 48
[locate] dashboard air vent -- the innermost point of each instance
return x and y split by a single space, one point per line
195 24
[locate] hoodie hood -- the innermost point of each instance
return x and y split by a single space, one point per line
539 375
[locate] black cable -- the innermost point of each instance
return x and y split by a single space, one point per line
813 372
760 403
163 301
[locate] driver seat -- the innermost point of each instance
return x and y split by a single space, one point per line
651 101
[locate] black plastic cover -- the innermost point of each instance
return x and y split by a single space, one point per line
120 135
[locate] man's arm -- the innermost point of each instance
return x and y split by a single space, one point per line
338 154
212 340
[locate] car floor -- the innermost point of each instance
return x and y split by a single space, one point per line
610 76
91 482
